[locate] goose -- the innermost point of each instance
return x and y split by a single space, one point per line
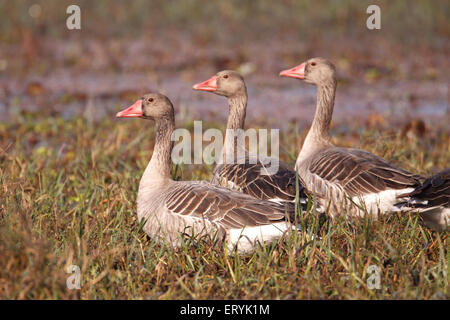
432 201
343 179
250 177
171 210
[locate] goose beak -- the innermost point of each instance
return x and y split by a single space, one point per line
296 72
208 85
134 111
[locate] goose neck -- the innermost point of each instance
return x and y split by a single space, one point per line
158 168
235 125
324 110
318 135
237 109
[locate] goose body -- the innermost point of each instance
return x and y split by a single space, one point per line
432 200
173 210
247 178
252 175
345 180
354 181
198 209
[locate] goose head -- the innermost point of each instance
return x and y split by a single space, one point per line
154 106
315 71
226 83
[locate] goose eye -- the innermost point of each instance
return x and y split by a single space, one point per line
150 100
313 64
225 76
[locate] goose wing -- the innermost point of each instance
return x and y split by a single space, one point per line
227 208
256 180
357 172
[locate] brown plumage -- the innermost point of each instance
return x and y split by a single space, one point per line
227 209
359 172
248 178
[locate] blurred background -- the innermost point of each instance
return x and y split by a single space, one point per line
398 75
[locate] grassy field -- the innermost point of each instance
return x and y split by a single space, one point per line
68 190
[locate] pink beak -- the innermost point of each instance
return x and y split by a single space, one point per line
134 111
208 85
296 72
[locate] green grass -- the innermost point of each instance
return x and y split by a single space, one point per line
68 191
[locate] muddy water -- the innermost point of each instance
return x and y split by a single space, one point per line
96 77
272 100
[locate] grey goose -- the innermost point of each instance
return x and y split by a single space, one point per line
172 209
345 180
250 177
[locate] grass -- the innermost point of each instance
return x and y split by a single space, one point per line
68 190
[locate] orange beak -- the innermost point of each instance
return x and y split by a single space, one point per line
134 111
296 72
208 85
